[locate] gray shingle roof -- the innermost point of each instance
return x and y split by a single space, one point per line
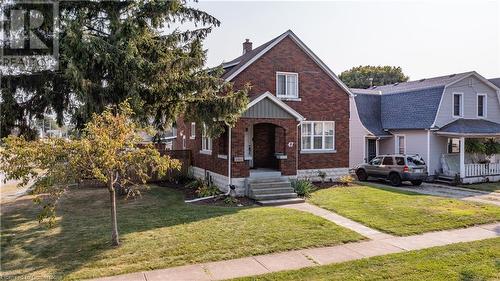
421 84
495 81
471 126
235 64
410 110
368 106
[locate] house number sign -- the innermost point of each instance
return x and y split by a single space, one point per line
290 144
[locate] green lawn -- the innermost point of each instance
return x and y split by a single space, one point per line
157 231
489 186
472 261
403 213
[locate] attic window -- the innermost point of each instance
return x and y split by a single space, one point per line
395 84
287 85
422 80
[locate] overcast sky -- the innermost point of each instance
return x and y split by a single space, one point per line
425 38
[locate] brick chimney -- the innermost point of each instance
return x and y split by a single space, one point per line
247 46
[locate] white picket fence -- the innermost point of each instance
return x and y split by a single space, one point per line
477 170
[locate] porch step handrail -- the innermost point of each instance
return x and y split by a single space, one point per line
475 170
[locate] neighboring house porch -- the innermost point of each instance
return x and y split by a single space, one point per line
469 168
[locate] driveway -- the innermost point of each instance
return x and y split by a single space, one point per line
449 191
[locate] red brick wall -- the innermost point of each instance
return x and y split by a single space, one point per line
322 98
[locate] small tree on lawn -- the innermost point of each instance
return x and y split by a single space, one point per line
107 151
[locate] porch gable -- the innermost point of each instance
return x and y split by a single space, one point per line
269 106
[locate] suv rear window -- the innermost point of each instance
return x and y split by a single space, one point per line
388 161
400 161
414 161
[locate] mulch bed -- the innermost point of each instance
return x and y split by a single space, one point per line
327 184
190 194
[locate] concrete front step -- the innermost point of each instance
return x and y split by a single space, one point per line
264 174
272 190
268 180
278 202
262 185
275 196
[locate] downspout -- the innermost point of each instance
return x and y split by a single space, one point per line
229 162
230 186
297 145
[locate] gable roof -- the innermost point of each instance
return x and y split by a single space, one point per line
237 65
278 102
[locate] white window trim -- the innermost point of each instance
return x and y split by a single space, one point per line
207 150
287 97
396 143
313 150
193 131
485 105
461 105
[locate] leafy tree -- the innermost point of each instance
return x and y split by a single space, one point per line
365 76
487 147
108 151
112 51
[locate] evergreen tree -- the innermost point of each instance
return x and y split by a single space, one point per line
111 51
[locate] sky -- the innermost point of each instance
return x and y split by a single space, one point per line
426 38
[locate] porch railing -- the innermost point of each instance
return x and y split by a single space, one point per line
477 170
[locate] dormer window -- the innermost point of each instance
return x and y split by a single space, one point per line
287 85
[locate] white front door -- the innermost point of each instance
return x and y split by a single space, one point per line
248 143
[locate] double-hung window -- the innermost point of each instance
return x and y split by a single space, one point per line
318 136
206 141
287 85
481 105
457 104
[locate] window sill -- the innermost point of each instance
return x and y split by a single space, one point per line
284 98
192 138
312 151
206 152
222 156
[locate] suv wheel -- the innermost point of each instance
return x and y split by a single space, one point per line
395 179
416 183
361 174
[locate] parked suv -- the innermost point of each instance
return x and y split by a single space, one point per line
395 168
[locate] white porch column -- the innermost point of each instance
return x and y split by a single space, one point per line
462 157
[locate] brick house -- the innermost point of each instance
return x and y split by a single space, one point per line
296 124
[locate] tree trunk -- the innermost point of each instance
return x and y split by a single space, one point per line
115 241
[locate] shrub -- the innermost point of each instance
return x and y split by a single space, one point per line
207 190
346 180
303 187
203 188
322 175
231 201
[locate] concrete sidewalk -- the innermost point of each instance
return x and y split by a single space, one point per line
262 264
